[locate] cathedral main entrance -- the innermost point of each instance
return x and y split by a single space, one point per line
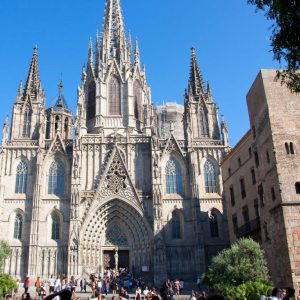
116 226
111 259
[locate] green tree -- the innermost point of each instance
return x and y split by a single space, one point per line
240 270
285 39
4 253
7 285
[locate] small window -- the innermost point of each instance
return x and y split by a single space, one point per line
253 176
246 215
239 162
242 186
292 148
256 158
235 223
229 171
260 191
268 157
273 195
250 152
232 196
297 187
287 148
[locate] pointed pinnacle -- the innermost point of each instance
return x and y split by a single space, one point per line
137 53
20 90
195 81
90 55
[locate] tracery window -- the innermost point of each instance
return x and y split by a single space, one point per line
18 227
21 178
114 99
91 109
56 181
214 227
176 226
210 177
203 123
173 177
55 232
27 122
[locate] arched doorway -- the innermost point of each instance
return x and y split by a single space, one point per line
116 225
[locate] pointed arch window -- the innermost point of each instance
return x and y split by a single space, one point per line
210 178
91 109
27 122
56 182
21 178
203 124
55 230
114 99
138 107
173 177
214 227
18 227
176 225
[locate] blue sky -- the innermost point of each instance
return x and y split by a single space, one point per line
231 41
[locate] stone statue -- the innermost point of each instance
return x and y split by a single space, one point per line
116 258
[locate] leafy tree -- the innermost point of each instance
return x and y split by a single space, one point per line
7 285
285 39
240 271
4 252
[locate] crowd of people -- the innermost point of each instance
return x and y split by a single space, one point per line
121 284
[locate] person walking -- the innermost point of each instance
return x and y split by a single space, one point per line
26 284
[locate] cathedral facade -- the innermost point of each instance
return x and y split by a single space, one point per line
123 177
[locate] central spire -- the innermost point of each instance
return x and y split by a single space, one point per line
113 33
196 84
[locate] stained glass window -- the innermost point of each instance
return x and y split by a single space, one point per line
55 234
18 227
21 178
27 122
114 98
56 182
173 177
210 178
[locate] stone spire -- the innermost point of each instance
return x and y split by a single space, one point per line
33 83
113 33
5 131
196 84
20 91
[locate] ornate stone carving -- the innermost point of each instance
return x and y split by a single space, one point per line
116 181
115 237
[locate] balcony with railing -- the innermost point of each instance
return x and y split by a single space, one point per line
248 228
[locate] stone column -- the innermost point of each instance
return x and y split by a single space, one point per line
34 228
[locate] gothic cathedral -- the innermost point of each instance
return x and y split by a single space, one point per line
122 177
